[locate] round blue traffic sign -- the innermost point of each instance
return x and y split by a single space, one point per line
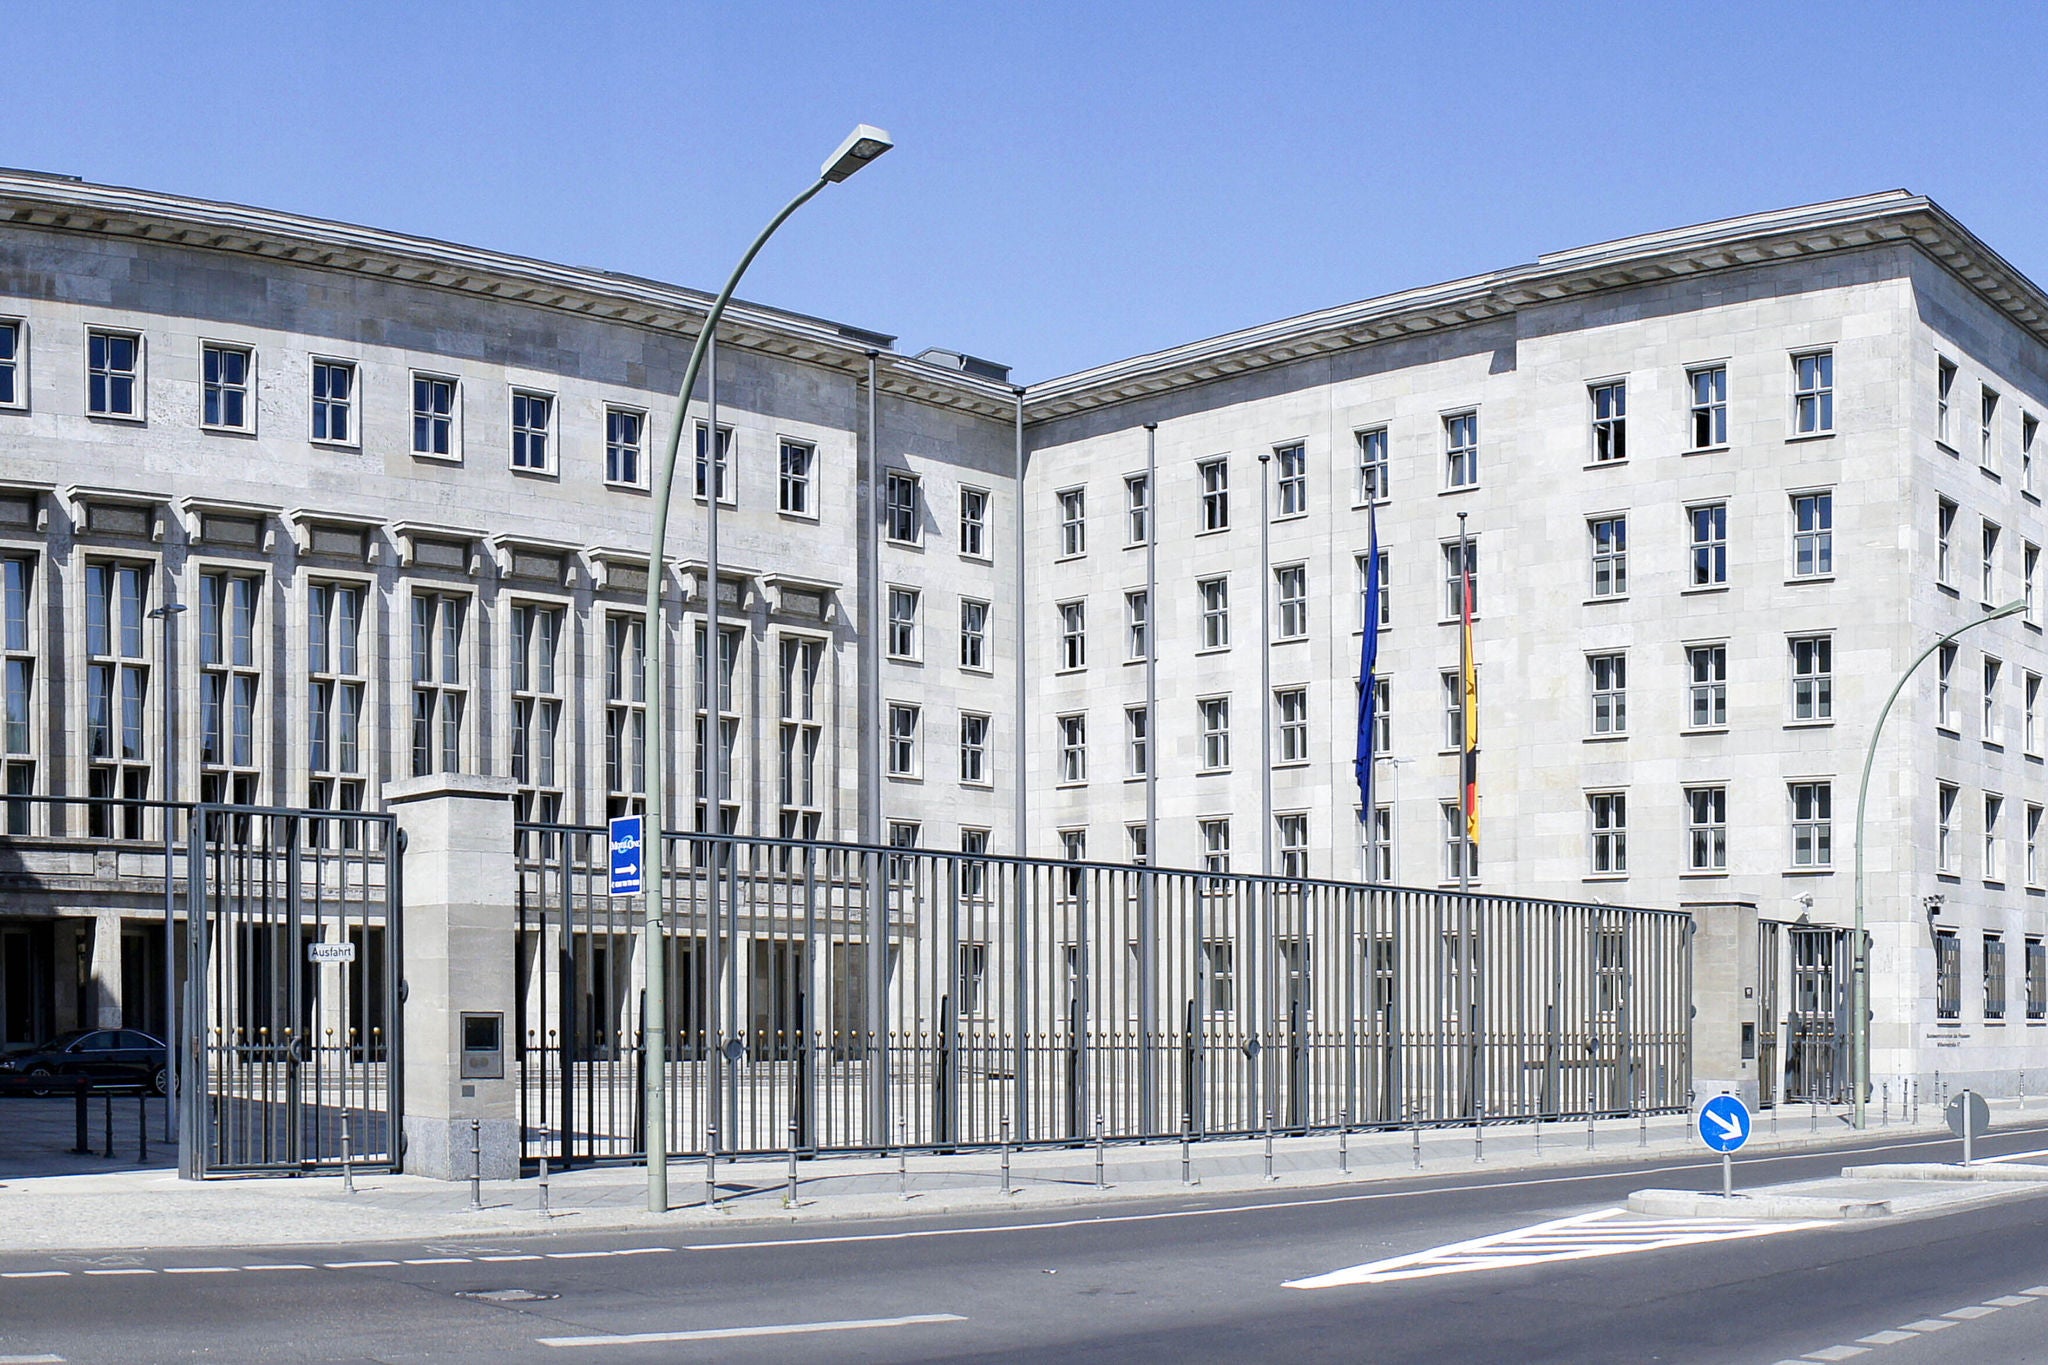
1724 1123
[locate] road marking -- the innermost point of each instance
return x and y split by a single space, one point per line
1887 1338
281 1266
1577 1238
529 1256
2015 1156
1928 1325
34 1274
1836 1353
202 1269
440 1260
120 1272
31 1360
1970 1314
579 1255
2039 1291
785 1329
2009 1300
357 1265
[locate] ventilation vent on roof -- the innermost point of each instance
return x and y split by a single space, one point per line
967 364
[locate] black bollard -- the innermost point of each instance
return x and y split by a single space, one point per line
83 1146
108 1125
142 1125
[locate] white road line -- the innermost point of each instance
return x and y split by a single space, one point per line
282 1266
2039 1291
439 1260
1970 1314
2009 1300
202 1269
1887 1338
34 1274
31 1360
786 1329
1834 1353
2016 1156
1927 1325
579 1255
357 1265
120 1272
528 1256
646 1251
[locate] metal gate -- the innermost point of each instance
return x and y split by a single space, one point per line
291 1048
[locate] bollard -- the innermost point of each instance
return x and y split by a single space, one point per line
1913 1085
789 1199
1101 1180
1343 1147
903 1159
1590 1136
2023 1088
1478 1133
348 1165
1812 1115
1884 1103
1415 1142
1539 1135
1269 1144
711 1167
142 1125
1006 1154
1642 1128
83 1146
545 1210
108 1121
1187 1165
476 1165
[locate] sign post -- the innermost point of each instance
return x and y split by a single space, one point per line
626 855
1967 1116
1724 1127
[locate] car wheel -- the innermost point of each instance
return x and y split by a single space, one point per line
160 1080
40 1081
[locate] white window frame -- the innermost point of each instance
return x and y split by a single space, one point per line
1461 449
722 469
1607 833
1812 663
1073 749
526 435
1946 716
2032 831
1708 406
974 655
1607 401
1137 509
1707 694
1987 565
1290 721
1706 827
1073 619
137 376
1073 507
904 759
974 734
1607 685
1372 444
1813 392
1137 741
1987 429
1215 606
1813 837
974 505
1945 512
220 385
2030 713
905 638
452 418
1944 386
1213 478
1707 527
1386 598
1607 540
902 507
796 469
14 363
1137 625
1993 718
618 450
1290 591
1213 717
1994 837
1946 797
1813 545
1290 485
348 407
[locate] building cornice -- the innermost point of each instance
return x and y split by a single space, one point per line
62 204
1736 243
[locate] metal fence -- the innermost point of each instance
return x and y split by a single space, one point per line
839 997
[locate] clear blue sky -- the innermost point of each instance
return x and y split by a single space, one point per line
1073 183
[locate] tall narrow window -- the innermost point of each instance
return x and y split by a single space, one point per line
1706 820
973 749
1073 635
17 647
902 518
1709 544
1946 715
793 480
1291 842
1994 712
338 677
1944 386
1609 537
1372 465
13 392
1458 855
1383 716
230 683
1813 393
1454 709
1137 509
715 467
117 695
1709 407
1137 624
2032 832
1946 794
1214 715
1290 716
1461 450
1073 755
1291 486
1214 476
533 417
2030 580
1813 678
1609 676
1458 570
719 687
1073 522
1994 837
1607 813
801 733
2030 427
334 386
1944 541
224 388
2030 713
2037 978
113 374
433 417
1813 534
1290 590
1707 689
625 713
1386 598
1379 845
1215 594
537 693
973 521
1610 421
1137 741
1812 823
903 727
1994 976
903 623
1987 430
1988 566
1948 974
439 686
973 634
624 432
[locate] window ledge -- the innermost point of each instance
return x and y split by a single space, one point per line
1996 884
640 488
1949 730
1605 464
1949 875
1069 559
334 445
1948 589
1607 738
1605 877
1069 672
904 659
1945 448
1996 746
2031 496
1290 763
1290 640
1792 580
551 475
1988 472
1721 449
977 670
787 515
1461 488
1359 504
1212 530
917 545
1212 649
1290 516
1801 438
1599 598
906 777
1808 724
1212 772
1703 589
119 418
1703 873
1828 871
1704 730
210 429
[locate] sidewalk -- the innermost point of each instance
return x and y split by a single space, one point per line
152 1208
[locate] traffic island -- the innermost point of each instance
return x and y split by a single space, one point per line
1764 1205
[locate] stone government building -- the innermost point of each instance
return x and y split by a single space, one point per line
1722 484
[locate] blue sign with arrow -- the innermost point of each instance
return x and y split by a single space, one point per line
626 859
1724 1123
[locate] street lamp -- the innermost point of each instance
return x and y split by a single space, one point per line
861 146
169 682
1859 1025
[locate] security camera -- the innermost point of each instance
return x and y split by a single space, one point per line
1805 899
1933 903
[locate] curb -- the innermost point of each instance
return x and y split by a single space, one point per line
1767 1207
2001 1173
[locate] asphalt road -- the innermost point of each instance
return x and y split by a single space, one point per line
1195 1278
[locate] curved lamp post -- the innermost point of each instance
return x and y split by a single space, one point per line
1859 1025
862 145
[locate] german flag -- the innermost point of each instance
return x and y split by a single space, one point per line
1471 680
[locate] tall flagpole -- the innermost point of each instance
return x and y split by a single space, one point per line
1467 721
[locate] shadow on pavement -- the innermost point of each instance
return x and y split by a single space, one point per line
40 1136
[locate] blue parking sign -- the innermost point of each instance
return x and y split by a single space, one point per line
626 859
1724 1123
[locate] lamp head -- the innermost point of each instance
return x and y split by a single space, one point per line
862 145
2013 608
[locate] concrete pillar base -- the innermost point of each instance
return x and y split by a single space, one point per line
439 1148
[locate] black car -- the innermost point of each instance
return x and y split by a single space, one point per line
125 1058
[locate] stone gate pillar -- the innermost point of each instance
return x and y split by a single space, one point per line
457 971
1725 1025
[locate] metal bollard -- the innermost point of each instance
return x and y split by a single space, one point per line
348 1162
83 1145
2023 1087
789 1198
1539 1135
1884 1103
476 1165
1415 1142
1642 1128
711 1167
1006 1154
1343 1145
1591 1137
1812 1115
142 1125
545 1210
1187 1164
1269 1144
108 1121
903 1159
1478 1133
1101 1179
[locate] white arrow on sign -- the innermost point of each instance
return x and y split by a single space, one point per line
1730 1129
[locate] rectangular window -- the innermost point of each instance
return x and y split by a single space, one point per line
1944 541
1290 714
1994 714
1386 597
1944 386
624 433
973 871
1216 846
1372 465
1215 612
1813 393
433 417
625 709
801 733
536 711
728 492
973 634
1609 536
1073 522
973 748
337 679
230 685
440 689
1813 534
903 623
1292 841
793 481
113 374
1607 814
1379 846
16 636
2030 712
1988 566
1707 688
1610 421
1137 509
1137 844
1945 714
2030 427
1994 976
716 687
2033 845
1214 476
1454 709
1073 635
533 416
1946 795
1461 450
1813 825
1383 716
1292 484
1457 572
1709 407
1073 767
1456 850
1987 431
334 397
973 520
1706 827
1994 837
1137 624
1214 713
1219 956
1813 678
1948 974
2037 978
1609 676
1137 741
902 521
2030 574
1290 588
223 387
1709 544
117 694
13 391
903 723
